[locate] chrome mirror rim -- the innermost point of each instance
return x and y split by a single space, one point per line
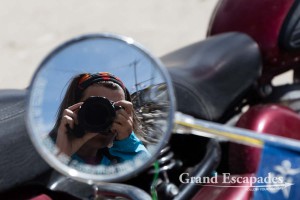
53 161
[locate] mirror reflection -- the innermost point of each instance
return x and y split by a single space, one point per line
99 104
96 121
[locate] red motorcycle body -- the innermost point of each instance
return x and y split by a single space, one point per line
274 25
244 160
266 119
273 119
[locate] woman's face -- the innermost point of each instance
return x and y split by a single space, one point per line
101 141
101 91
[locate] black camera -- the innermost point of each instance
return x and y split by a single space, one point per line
96 115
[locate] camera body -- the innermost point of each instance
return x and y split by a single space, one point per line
96 115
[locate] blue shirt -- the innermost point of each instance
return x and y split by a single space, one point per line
122 150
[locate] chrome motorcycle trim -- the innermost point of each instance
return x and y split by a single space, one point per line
53 161
239 135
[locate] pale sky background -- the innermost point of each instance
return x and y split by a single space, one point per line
90 56
31 29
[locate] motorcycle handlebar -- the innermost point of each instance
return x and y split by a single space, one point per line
204 168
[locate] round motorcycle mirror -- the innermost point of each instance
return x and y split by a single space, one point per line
130 83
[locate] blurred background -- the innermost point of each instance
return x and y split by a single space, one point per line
31 29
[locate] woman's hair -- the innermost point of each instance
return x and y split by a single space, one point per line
74 95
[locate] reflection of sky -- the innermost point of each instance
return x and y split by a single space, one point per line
95 55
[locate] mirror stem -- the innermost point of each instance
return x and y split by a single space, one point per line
188 124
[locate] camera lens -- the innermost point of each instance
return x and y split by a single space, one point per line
96 114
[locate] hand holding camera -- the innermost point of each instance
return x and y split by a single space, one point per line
65 142
123 123
97 115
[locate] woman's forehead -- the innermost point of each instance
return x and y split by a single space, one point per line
102 91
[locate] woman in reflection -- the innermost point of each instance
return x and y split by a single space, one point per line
120 143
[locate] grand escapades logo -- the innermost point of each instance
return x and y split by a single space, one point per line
226 178
279 180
